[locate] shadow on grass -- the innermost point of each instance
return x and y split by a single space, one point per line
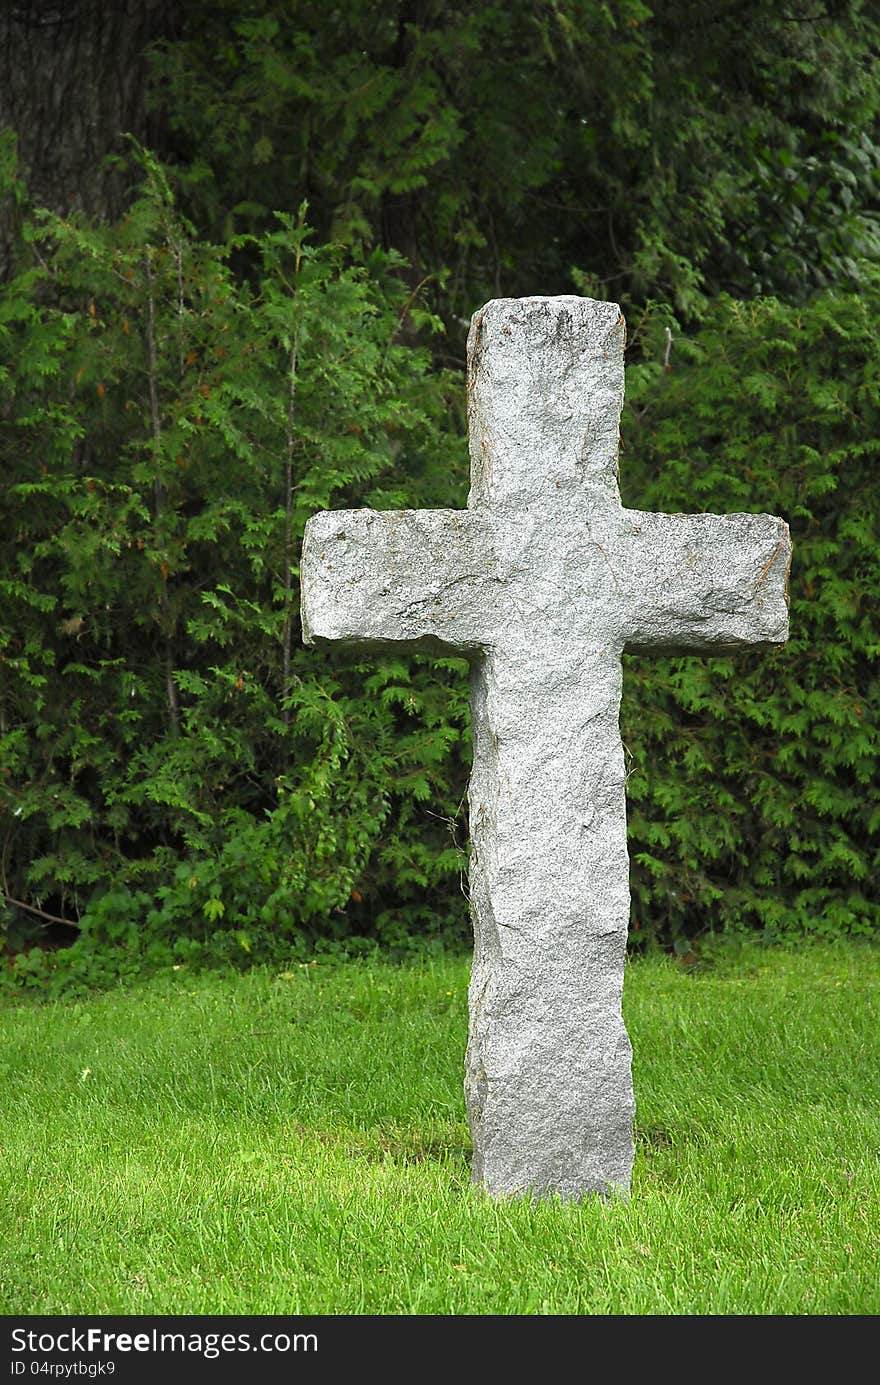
654 1137
439 1143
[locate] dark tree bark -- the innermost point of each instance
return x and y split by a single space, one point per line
398 213
73 81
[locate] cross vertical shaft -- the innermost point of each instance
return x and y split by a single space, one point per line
548 1084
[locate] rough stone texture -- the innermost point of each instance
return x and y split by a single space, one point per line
543 582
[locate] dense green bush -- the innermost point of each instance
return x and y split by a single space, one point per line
753 788
181 778
499 145
174 763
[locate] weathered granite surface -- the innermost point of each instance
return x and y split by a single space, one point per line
543 582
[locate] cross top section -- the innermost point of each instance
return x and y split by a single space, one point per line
545 390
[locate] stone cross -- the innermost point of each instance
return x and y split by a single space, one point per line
542 583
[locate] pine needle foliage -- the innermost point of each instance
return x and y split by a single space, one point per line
753 781
175 763
181 778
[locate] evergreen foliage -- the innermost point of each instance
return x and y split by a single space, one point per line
267 332
752 792
661 150
174 760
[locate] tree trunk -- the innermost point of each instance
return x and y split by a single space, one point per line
73 81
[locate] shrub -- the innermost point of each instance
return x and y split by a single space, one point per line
181 779
174 761
752 793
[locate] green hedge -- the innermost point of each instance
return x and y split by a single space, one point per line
176 766
178 773
753 794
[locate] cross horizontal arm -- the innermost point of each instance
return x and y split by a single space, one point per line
707 582
403 578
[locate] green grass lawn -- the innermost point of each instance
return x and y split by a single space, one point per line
296 1143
